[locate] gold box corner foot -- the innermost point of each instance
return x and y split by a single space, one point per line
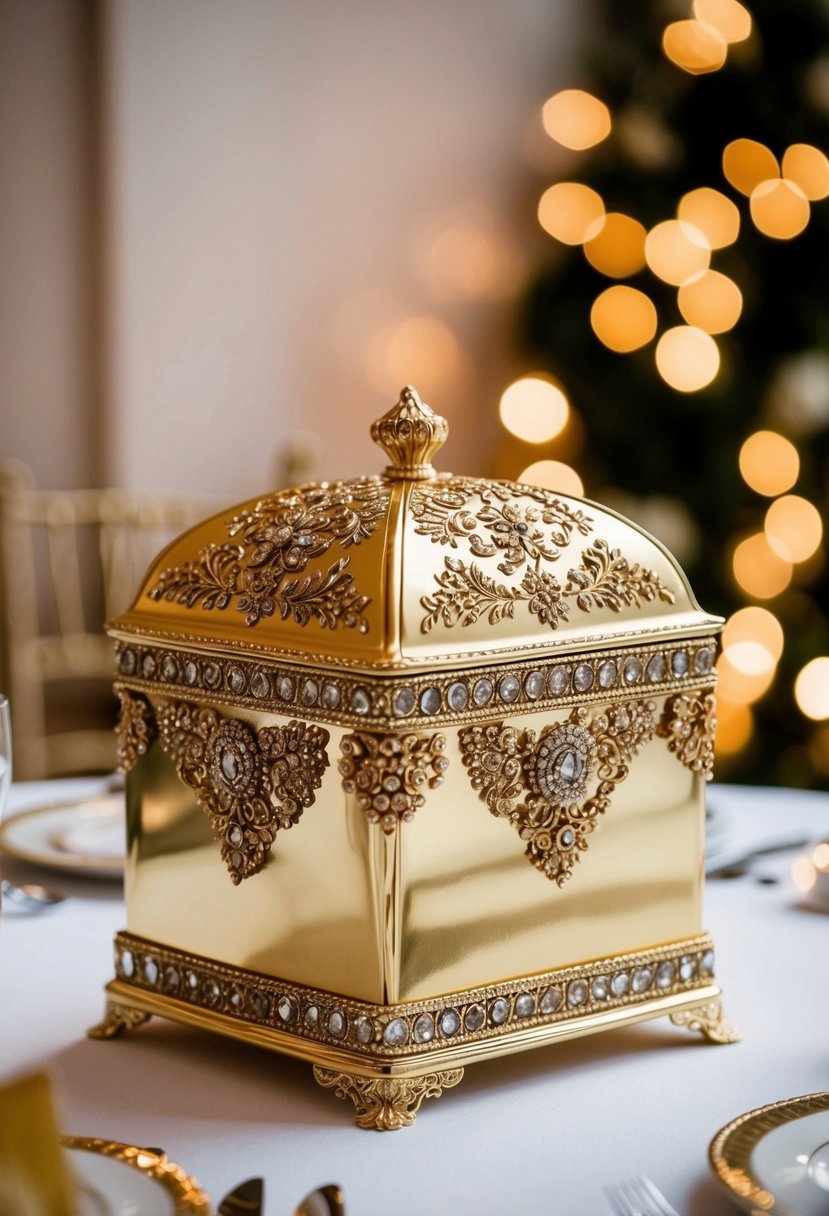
117 1019
385 1104
709 1020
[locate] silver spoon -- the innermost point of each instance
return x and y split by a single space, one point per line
30 896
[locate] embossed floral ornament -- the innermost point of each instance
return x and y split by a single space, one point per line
387 773
250 783
690 725
135 730
277 538
553 773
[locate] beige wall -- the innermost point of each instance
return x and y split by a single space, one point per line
304 205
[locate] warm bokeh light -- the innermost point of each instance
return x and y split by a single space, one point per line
746 163
618 249
742 687
793 528
769 463
568 211
811 689
808 168
470 262
728 17
758 570
534 409
735 723
687 358
694 46
711 301
779 209
576 119
820 855
716 217
804 874
623 318
421 349
757 626
553 475
676 251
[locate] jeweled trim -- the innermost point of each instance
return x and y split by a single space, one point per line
417 1027
412 702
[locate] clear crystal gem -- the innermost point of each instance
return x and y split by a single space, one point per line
213 990
607 674
558 681
285 688
679 663
191 672
192 980
656 668
449 1022
482 691
534 685
642 979
311 1016
430 701
620 983
237 998
169 668
172 978
148 666
260 686
706 963
363 1029
396 1033
474 1017
424 1029
259 1003
127 662
309 692
632 670
403 702
236 679
550 1000
287 1009
127 963
576 993
212 675
499 1011
600 988
337 1024
360 702
524 1005
665 974
457 695
509 688
330 696
150 970
583 677
704 660
687 967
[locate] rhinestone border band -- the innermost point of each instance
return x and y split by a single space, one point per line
389 702
415 1028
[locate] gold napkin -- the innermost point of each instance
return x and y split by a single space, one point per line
34 1180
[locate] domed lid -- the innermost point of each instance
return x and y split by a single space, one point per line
413 569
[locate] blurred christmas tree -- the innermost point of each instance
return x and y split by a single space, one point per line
684 313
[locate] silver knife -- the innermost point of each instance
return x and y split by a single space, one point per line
244 1200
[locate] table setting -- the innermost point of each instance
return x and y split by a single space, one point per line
497 842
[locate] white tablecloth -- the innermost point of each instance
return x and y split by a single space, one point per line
538 1133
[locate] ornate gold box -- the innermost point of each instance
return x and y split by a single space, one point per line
416 769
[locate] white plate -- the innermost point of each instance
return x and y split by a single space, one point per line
770 1159
80 837
115 1179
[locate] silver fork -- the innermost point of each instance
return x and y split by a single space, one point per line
638 1197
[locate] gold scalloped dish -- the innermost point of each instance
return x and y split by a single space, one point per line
108 1175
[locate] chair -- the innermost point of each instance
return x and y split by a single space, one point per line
69 560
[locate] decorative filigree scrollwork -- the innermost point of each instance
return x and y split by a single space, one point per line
690 724
251 783
553 773
135 730
524 527
386 773
709 1020
261 571
117 1020
386 1104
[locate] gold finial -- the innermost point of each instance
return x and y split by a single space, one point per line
410 434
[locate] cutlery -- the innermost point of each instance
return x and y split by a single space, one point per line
638 1197
734 863
244 1200
31 896
325 1201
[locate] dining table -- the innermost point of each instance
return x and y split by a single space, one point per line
541 1133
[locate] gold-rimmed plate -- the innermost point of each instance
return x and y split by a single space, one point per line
775 1159
82 837
113 1178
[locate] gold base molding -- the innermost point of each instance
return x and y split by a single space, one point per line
387 1059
